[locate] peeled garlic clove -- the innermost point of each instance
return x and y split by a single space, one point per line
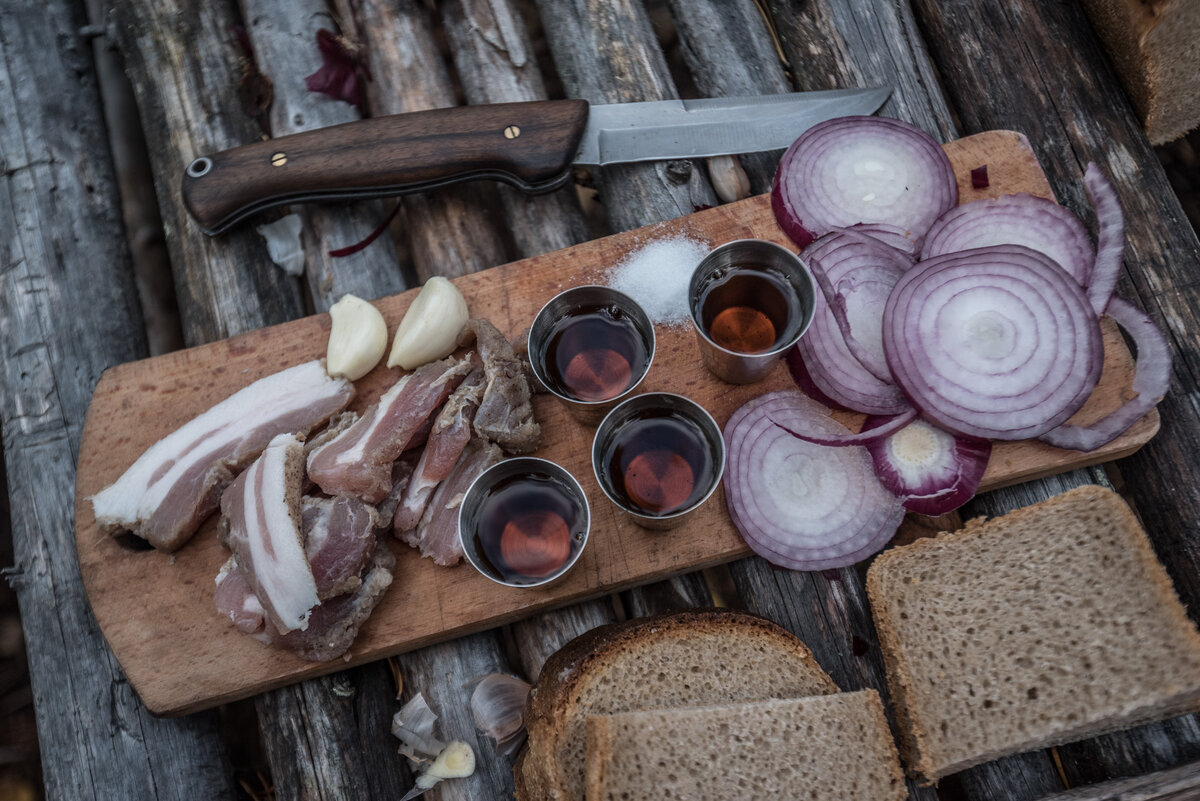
456 761
431 325
356 340
729 180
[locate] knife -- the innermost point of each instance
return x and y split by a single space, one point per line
531 145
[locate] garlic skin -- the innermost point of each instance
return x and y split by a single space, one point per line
498 708
729 180
357 339
431 325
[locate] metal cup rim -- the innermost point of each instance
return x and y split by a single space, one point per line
647 397
589 404
557 470
765 355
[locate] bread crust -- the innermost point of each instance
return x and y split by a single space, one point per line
914 743
537 774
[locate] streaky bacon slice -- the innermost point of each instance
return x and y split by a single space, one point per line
359 461
169 491
262 518
450 433
339 540
437 535
335 623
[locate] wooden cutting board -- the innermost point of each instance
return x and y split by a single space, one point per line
156 609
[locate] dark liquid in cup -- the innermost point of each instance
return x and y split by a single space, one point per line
659 462
528 527
748 310
595 354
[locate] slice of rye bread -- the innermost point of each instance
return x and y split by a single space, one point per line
683 659
823 748
1053 623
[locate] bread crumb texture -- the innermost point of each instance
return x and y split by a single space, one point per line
835 747
1053 623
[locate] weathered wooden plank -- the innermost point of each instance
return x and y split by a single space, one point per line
729 51
1043 72
451 231
538 637
494 60
284 36
836 43
606 52
1177 784
185 66
68 310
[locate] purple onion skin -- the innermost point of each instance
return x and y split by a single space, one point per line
787 220
795 365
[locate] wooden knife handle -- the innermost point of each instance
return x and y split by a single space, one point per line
530 145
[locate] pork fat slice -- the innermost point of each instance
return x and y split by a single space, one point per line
262 513
359 461
450 433
172 487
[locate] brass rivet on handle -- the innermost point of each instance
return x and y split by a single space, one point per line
512 132
279 159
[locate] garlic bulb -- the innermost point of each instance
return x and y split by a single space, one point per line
498 707
431 325
356 340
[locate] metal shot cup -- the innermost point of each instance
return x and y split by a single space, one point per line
635 408
571 302
521 466
759 255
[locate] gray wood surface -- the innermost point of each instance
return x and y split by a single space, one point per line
68 310
451 231
606 52
1181 783
284 35
186 67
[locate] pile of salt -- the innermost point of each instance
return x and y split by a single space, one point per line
657 275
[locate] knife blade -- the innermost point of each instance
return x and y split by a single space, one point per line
531 145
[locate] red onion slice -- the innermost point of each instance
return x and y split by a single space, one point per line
1110 240
884 427
1022 219
997 342
1150 381
861 169
932 470
892 236
863 271
798 505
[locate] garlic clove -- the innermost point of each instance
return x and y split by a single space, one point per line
729 180
357 338
455 761
498 708
431 325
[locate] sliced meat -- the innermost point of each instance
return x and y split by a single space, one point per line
335 623
339 540
402 471
236 600
262 519
169 491
450 433
437 535
358 462
505 414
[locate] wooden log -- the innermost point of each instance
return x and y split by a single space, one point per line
1176 784
186 70
1043 72
606 52
284 35
68 310
839 43
729 51
451 231
494 59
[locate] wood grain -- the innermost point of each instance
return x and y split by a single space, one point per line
135 404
